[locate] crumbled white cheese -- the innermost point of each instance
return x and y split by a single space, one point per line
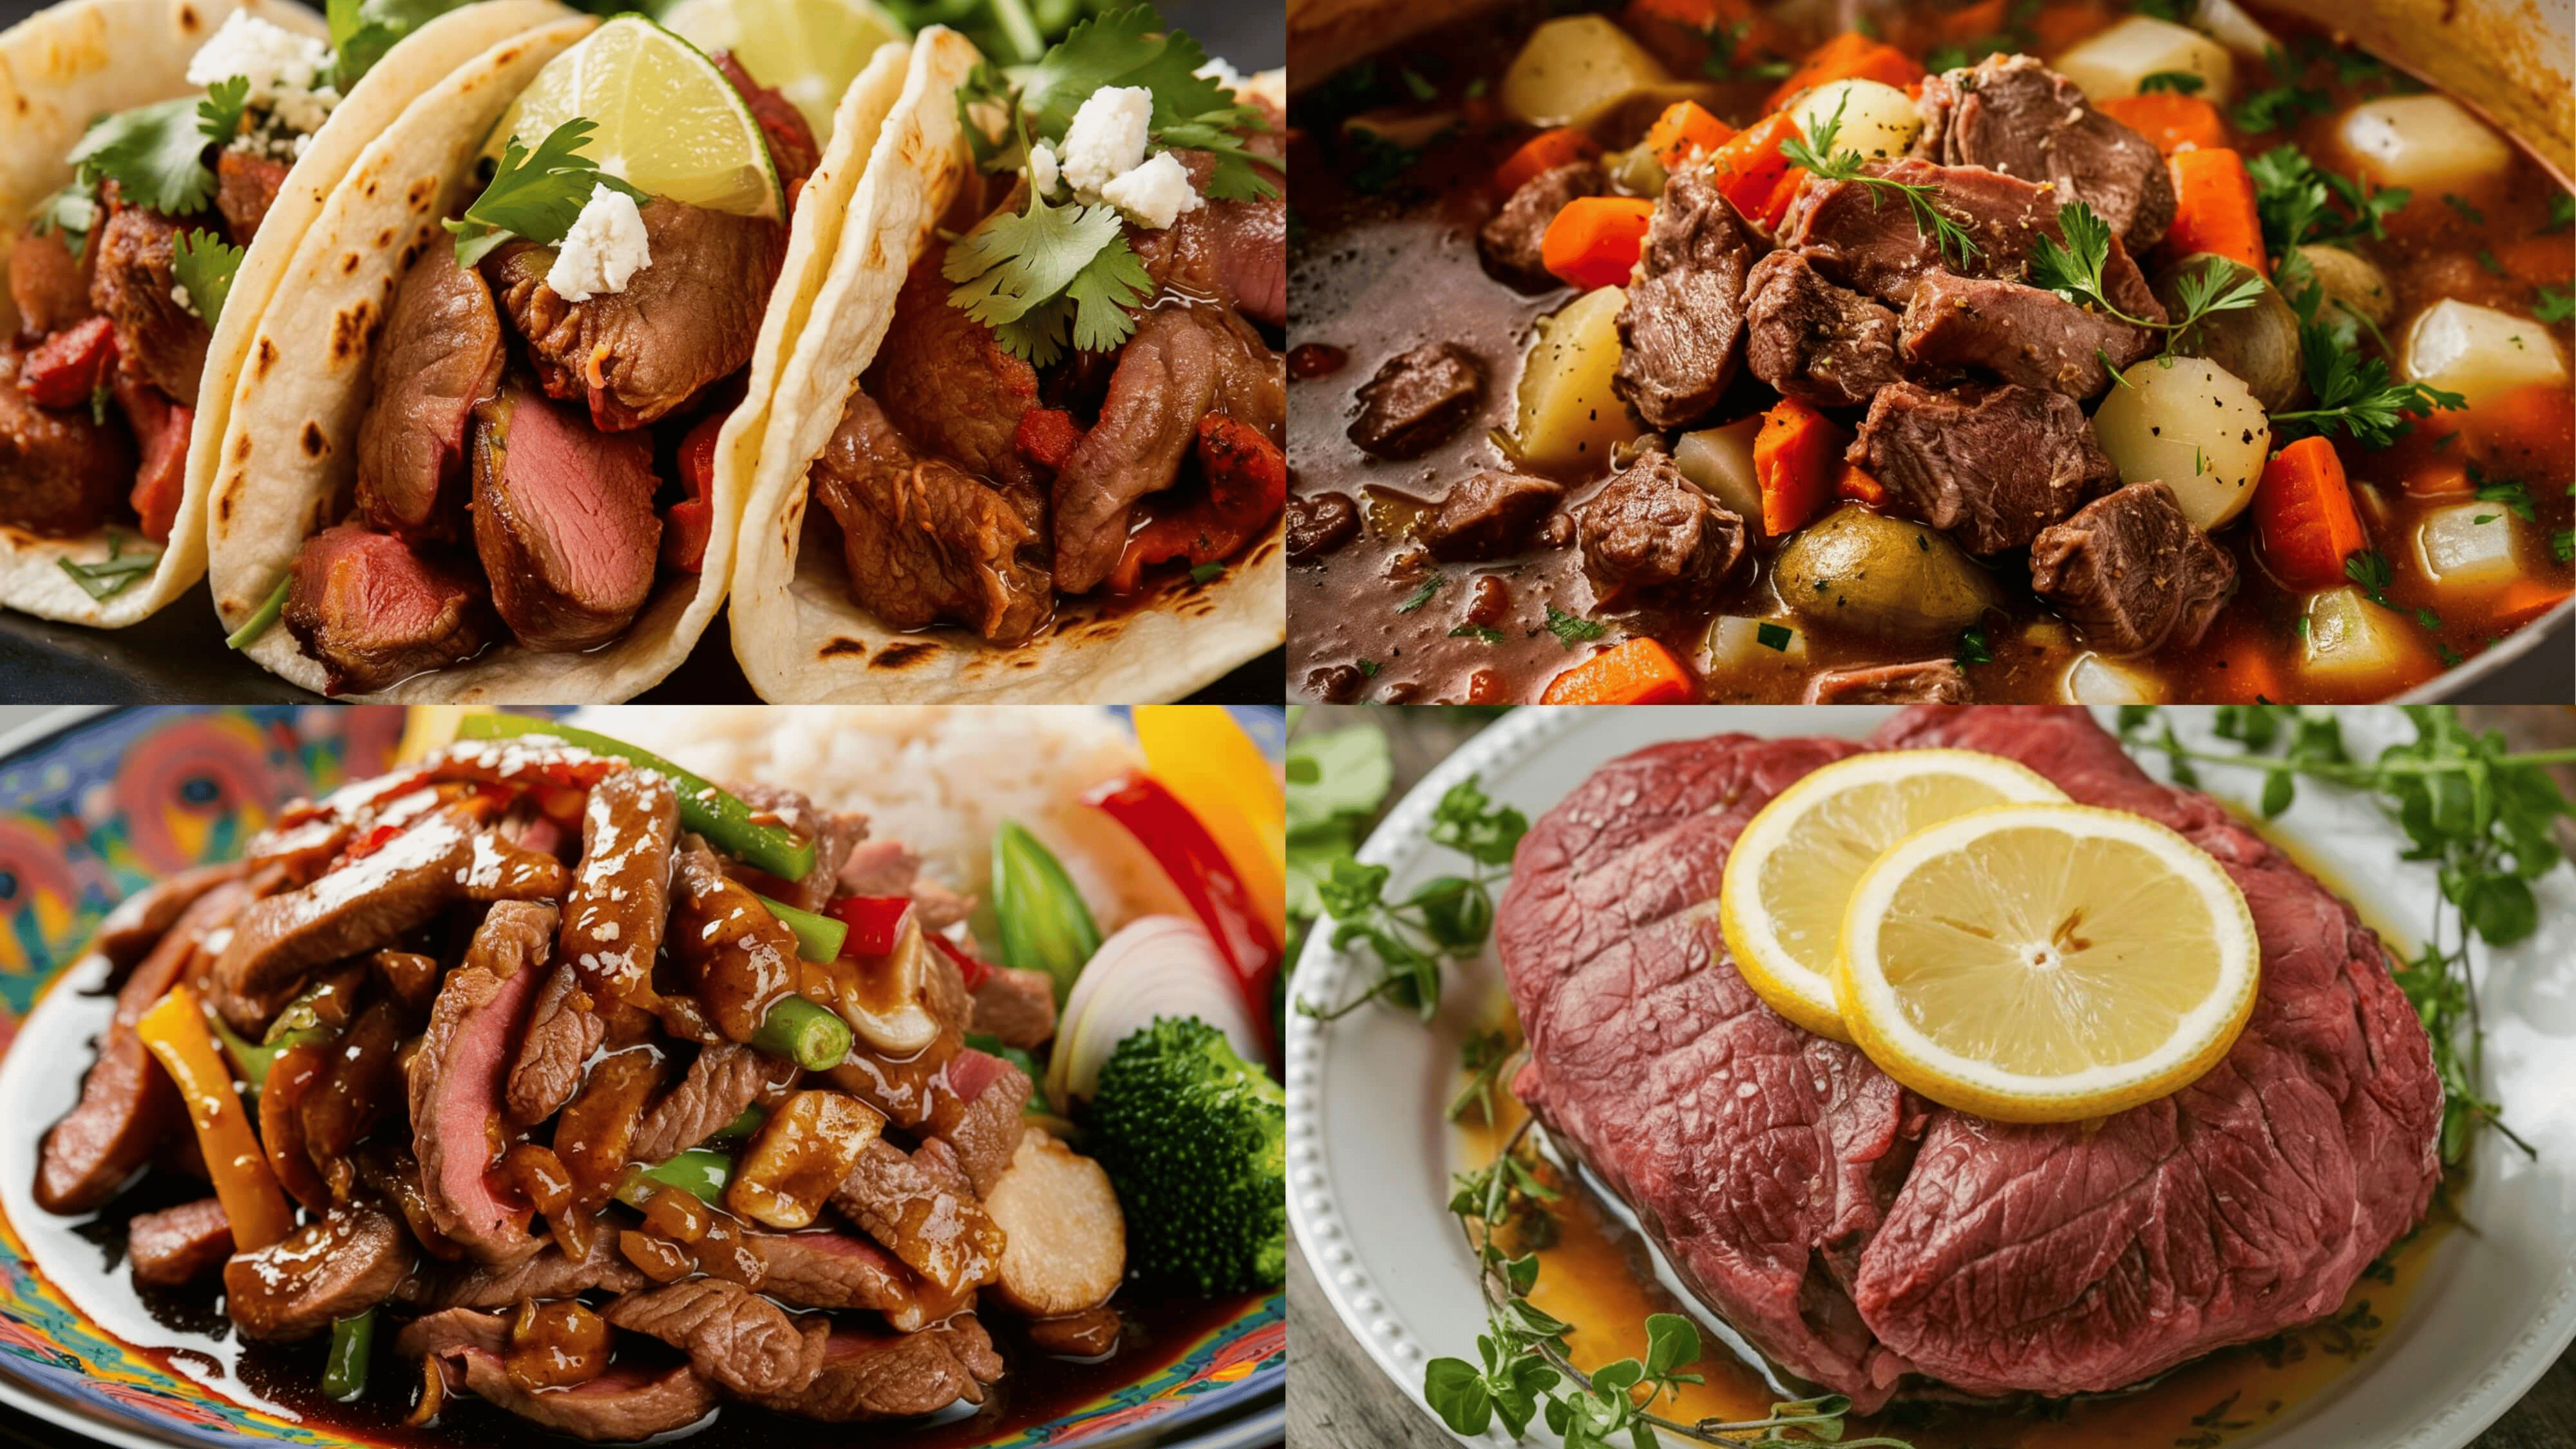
179 294
1042 168
1107 137
286 71
1222 73
604 250
1155 194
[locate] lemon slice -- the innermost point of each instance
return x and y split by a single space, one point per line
667 119
2046 963
1791 872
809 49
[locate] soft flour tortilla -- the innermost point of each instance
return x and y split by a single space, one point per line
798 635
67 66
287 461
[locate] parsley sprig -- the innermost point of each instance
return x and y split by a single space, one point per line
2074 271
363 30
2295 202
1820 158
1447 919
536 194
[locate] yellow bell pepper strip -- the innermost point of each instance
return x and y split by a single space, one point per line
1045 925
1206 878
1205 758
174 1030
818 938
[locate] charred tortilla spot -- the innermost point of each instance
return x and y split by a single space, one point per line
420 193
188 20
349 331
267 358
844 646
315 445
241 449
384 238
224 499
902 655
349 265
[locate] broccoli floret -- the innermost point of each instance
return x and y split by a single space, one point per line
1195 1140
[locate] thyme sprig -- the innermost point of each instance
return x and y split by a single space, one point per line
1820 158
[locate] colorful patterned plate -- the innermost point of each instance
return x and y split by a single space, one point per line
92 806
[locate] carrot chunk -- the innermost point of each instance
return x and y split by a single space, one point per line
1747 169
1594 240
2303 515
2173 122
1848 56
2214 208
1636 671
1860 487
1543 152
1798 461
1683 131
2523 600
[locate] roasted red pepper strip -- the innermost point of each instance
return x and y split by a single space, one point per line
875 922
1197 865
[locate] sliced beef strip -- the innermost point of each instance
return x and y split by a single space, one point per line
1319 523
456 1083
1681 329
338 1266
246 186
179 1245
453 1328
1925 681
1652 533
1078 1335
1016 1007
628 1402
1418 400
563 521
2009 113
2132 572
621 891
563 1030
141 920
726 1078
49 286
864 1375
360 1084
1487 515
61 473
161 431
732 1335
836 1270
374 611
988 1132
1510 238
133 286
2015 333
910 1204
547 1274
948 387
440 355
1232 252
1814 340
1989 465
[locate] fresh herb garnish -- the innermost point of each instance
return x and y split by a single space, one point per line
2562 544
363 30
1422 595
1207 573
1572 629
2354 392
1725 61
1972 647
1336 780
1775 637
156 154
1483 1056
204 264
2368 569
113 574
2467 211
2562 211
1485 632
1447 919
2512 494
72 211
1133 47
1821 159
2074 271
1417 86
2180 82
2281 104
535 194
2295 202
2552 305
1048 273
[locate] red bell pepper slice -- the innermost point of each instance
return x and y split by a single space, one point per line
1197 865
875 922
967 966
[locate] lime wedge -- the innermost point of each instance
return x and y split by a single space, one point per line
667 119
809 49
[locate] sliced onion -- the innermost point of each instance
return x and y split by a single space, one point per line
1157 966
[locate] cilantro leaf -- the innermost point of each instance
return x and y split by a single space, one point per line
2552 305
204 264
2180 82
1132 47
155 154
72 211
219 115
363 30
1035 276
1572 629
537 195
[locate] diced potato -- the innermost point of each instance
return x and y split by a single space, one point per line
1736 644
2353 282
2112 63
2462 555
1573 66
2092 679
1720 460
1878 120
2190 424
1065 1240
2230 26
2425 141
1887 577
2354 643
2474 351
1568 414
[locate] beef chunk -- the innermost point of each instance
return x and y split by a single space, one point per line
67 369
1991 465
1510 239
563 1031
832 1270
1682 326
1925 681
1487 515
441 354
156 336
1016 1007
563 521
246 187
948 386
337 1266
179 1245
921 1208
548 1274
1653 533
1813 340
49 285
725 1078
375 612
2016 333
1418 400
161 431
1320 523
2014 115
2132 572
456 1082
60 471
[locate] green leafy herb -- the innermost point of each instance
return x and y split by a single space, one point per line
2462 205
1820 157
2296 202
2487 260
2180 82
1133 47
1207 573
1337 779
2074 271
1725 59
2552 305
156 154
262 618
1419 88
535 194
1447 919
2282 104
363 30
2369 571
1774 637
2173 12
1572 629
1486 632
1422 595
2513 495
219 115
113 574
99 397
72 211
204 264
2356 394
1368 668
1483 1056
2562 211
1972 647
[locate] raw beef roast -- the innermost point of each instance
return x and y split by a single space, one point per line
1861 1236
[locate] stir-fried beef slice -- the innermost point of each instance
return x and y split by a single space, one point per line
179 1245
1989 465
1925 681
1812 339
833 1270
1487 515
453 1328
161 435
1319 523
456 1082
441 354
563 1031
2132 572
1016 1007
563 521
725 1079
2015 333
1182 364
1683 323
625 1403
1510 238
835 834
1418 400
683 324
732 1335
338 1266
246 186
48 284
385 1168
61 472
140 921
947 386
621 891
547 1274
988 1132
2012 114
1653 533
882 867
864 1375
791 140
739 958
907 1202
1077 1335
375 612
361 1082
924 541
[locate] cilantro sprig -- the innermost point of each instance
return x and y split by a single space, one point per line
1039 276
1132 47
72 211
156 154
363 30
204 264
1820 158
2074 271
1447 919
536 194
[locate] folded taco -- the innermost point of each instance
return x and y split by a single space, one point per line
1029 446
164 157
471 457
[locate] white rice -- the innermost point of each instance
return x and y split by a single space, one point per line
939 779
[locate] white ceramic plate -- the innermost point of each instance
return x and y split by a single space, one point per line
1370 1155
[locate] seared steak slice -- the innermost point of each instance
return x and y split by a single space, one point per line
1683 323
2009 113
453 1328
1233 252
1016 1008
948 386
621 891
791 140
1510 238
375 612
864 1375
924 541
726 1078
456 1079
1813 340
338 1266
2132 572
1418 400
1319 523
67 369
683 324
156 336
547 1274
563 1031
179 1245
161 433
139 921
988 1131
911 1204
732 1335
1487 515
1653 533
2017 334
563 521
625 1403
49 285
61 473
441 354
246 186
1925 681
833 1270
1989 465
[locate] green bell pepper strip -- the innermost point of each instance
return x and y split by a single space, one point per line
815 1039
353 1341
701 1172
253 1059
723 818
818 938
742 1126
1045 925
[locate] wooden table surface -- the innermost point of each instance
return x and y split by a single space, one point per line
1338 1399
